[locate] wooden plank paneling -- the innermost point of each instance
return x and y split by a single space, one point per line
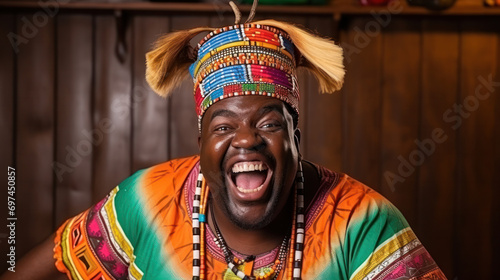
75 136
437 161
7 57
222 19
400 114
323 113
183 120
362 100
35 131
495 230
477 141
150 115
112 107
68 87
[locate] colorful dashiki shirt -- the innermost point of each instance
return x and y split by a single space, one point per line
142 230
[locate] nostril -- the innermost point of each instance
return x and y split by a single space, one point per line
247 139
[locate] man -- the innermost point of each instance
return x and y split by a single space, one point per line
249 207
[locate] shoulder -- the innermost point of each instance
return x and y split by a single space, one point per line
169 173
153 187
364 216
346 190
370 205
352 204
142 201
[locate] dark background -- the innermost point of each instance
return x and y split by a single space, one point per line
73 99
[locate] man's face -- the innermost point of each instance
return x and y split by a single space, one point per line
249 158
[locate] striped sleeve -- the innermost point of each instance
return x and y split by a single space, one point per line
381 245
93 244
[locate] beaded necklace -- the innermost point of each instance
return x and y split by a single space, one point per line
294 265
233 262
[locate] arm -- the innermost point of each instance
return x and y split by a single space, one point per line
38 264
380 242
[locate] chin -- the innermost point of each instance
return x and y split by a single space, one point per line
252 217
252 223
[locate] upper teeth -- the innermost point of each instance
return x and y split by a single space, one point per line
246 167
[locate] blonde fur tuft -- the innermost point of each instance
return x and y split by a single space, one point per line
167 64
323 58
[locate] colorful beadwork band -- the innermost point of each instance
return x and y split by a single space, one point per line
245 59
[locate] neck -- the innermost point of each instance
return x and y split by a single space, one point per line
253 242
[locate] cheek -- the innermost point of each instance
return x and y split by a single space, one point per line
212 146
220 146
212 154
281 145
217 147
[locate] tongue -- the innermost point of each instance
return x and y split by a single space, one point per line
250 180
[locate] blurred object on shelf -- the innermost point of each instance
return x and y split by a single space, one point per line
432 4
175 1
492 3
92 1
374 2
286 2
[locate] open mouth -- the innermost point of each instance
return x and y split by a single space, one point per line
250 176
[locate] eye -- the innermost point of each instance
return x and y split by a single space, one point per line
221 129
268 125
271 120
271 125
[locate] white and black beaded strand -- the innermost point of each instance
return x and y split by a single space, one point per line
300 226
196 228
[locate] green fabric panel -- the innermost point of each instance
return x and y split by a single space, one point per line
337 269
134 222
378 222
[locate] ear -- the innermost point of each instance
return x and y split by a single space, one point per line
296 137
199 141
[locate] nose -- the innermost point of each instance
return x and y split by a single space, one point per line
246 138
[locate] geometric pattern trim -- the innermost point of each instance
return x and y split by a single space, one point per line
92 245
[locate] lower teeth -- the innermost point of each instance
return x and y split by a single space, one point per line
250 190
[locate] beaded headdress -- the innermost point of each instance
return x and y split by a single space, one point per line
245 59
257 58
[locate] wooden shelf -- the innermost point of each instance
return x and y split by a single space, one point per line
336 9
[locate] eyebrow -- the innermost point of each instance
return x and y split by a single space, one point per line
222 113
270 108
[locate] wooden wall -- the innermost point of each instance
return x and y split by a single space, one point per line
77 117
